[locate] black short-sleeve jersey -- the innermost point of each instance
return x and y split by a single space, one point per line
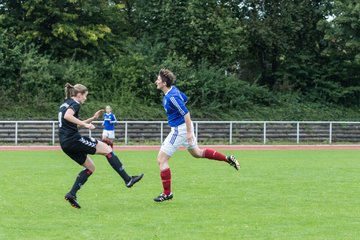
68 131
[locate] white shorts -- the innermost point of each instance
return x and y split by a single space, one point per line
108 134
176 139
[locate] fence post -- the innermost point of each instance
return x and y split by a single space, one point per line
330 133
264 132
230 135
126 133
53 133
89 133
297 132
196 130
161 133
16 133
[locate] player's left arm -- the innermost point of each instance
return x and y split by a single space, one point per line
189 130
179 104
96 116
113 119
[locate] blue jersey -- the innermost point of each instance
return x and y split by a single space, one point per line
174 104
109 121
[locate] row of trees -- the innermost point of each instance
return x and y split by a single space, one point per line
230 57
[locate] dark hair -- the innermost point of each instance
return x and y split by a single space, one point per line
72 91
167 76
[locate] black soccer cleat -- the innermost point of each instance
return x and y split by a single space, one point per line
163 197
72 200
133 180
233 162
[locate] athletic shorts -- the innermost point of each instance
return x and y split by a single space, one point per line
78 149
176 139
108 134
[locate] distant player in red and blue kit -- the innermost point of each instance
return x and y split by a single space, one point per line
181 134
109 122
78 147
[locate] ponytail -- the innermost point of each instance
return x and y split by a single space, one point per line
72 91
68 90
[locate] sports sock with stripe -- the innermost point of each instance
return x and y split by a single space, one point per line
117 166
80 180
212 154
166 180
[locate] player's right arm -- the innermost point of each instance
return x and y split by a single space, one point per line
96 116
69 116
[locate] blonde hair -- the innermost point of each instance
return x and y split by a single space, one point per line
167 76
72 91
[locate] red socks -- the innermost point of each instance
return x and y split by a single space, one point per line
166 173
166 180
212 154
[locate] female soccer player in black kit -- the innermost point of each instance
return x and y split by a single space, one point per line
78 147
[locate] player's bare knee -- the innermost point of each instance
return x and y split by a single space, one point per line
89 165
196 153
92 168
103 149
159 161
108 150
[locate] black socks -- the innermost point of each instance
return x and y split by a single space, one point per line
80 180
117 166
86 173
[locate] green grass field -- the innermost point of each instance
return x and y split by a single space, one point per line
276 195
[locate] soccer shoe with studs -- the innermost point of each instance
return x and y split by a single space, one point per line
133 180
163 197
72 200
233 162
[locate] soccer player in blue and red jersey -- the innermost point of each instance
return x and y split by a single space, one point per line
108 134
181 134
78 147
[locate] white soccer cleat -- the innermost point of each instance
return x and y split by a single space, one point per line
233 162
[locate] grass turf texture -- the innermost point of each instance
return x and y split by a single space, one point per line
276 195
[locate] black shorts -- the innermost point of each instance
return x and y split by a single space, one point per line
78 149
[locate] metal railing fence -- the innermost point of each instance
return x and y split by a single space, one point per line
226 132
